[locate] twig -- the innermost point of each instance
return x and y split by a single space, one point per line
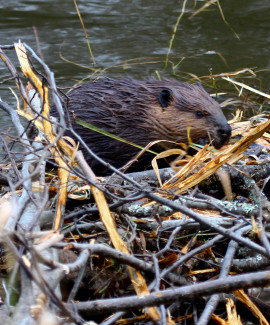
214 299
204 221
80 264
186 293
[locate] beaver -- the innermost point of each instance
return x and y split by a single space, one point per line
141 112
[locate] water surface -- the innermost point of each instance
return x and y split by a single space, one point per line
131 38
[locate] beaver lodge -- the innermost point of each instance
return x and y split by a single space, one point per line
182 245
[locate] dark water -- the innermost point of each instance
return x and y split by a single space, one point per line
131 38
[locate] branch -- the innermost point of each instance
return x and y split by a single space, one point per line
186 293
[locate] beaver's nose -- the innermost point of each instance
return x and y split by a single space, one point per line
225 132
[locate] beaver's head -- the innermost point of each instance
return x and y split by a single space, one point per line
182 108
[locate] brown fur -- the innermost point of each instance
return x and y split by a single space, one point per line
133 110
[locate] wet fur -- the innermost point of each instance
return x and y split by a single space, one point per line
144 111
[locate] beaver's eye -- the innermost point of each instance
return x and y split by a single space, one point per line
199 114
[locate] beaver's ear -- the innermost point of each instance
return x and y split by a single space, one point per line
165 97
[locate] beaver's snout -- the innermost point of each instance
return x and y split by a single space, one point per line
224 133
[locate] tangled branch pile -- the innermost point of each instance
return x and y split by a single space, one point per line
130 248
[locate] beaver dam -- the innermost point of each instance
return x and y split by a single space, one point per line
185 244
